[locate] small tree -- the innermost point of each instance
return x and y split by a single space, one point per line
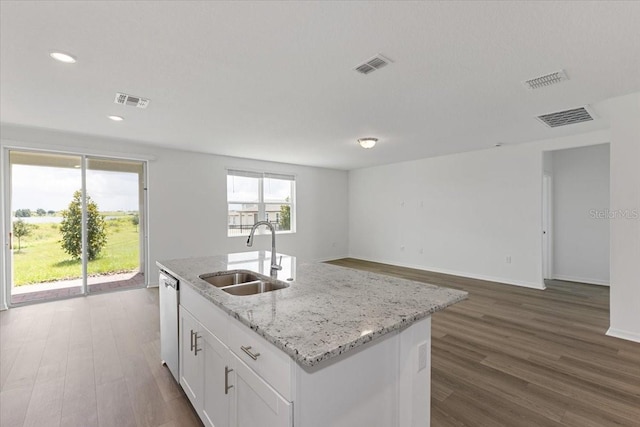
135 220
20 230
71 228
285 217
41 212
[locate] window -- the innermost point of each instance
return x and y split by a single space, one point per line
255 196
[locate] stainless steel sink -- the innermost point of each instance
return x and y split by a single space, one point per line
242 282
229 278
257 287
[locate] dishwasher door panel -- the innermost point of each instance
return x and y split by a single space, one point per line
169 323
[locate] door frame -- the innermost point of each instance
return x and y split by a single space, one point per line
6 267
547 227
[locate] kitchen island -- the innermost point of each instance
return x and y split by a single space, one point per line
337 347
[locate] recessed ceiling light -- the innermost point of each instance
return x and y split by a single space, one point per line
367 142
63 57
116 118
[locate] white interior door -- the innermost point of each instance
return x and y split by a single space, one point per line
547 225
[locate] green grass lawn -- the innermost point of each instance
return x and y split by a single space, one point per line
42 259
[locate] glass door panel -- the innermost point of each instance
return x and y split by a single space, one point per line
115 220
46 231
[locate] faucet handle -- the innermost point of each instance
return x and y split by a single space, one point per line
278 266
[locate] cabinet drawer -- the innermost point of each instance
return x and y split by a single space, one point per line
272 364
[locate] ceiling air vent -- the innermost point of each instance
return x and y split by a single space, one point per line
130 100
546 80
568 117
373 64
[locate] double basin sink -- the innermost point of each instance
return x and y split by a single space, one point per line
242 282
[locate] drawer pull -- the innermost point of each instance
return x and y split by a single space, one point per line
249 353
192 340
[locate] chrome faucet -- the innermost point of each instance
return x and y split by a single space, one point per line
274 265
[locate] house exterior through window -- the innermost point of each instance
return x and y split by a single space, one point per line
259 196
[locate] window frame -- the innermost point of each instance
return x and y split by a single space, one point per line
261 203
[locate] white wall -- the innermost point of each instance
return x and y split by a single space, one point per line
187 198
462 214
580 201
625 225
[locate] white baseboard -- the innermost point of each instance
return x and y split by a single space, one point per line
625 335
330 258
581 280
503 280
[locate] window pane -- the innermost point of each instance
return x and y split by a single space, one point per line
277 190
241 218
242 189
279 215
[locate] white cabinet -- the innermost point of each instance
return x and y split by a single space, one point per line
236 378
254 402
204 367
190 363
221 387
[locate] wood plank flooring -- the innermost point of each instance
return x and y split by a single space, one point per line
89 361
511 356
507 356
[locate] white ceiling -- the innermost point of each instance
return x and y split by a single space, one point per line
275 81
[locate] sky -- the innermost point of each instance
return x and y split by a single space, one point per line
51 188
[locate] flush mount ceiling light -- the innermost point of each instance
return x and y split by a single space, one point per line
367 142
116 118
63 57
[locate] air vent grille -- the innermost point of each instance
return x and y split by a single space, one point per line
373 64
546 80
568 117
130 100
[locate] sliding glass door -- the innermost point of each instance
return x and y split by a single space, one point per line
76 225
115 197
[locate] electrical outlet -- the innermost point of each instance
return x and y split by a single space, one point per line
508 259
422 356
402 248
420 251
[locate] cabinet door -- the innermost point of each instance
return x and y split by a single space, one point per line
254 402
191 365
216 395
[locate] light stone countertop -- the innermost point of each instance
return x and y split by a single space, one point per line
326 311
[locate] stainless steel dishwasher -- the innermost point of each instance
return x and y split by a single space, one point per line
169 300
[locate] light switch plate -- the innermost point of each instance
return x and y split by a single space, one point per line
422 356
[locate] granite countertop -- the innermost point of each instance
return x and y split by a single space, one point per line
326 311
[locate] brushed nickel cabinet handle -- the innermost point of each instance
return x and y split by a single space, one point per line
249 353
195 344
192 340
226 380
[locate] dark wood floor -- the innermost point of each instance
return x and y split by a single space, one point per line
507 356
511 356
